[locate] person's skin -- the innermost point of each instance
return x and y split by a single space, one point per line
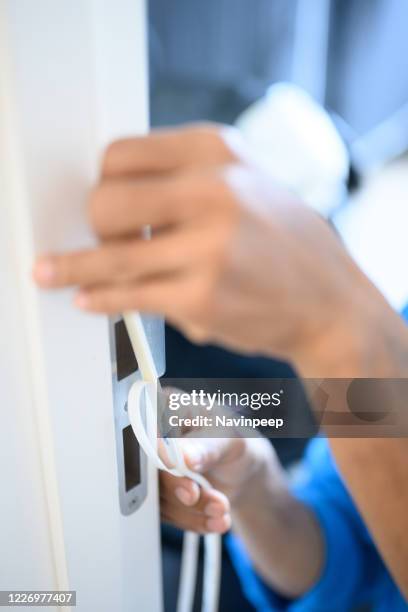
250 492
237 261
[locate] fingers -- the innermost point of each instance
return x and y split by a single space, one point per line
118 208
176 272
125 207
157 295
176 294
166 151
116 262
189 521
185 490
173 296
187 506
143 196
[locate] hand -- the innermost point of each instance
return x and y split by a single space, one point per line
233 258
280 534
229 465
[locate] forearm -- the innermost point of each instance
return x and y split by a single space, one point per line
375 469
367 339
376 472
281 534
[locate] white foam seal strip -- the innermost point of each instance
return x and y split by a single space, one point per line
144 393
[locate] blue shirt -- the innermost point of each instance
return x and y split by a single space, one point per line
353 574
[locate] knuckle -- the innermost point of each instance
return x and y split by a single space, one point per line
202 527
122 262
196 334
198 310
182 194
200 505
225 200
207 139
195 311
64 270
205 131
136 299
207 297
101 301
98 302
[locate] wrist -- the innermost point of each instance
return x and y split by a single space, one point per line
367 339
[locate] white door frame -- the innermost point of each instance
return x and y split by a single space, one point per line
73 76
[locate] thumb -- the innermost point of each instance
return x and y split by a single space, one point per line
202 454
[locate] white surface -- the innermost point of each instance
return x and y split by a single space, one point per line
294 139
374 227
77 79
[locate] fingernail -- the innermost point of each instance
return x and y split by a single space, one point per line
213 510
184 496
81 300
44 271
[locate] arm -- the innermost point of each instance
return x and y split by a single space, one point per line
376 469
295 539
238 261
371 341
280 534
380 493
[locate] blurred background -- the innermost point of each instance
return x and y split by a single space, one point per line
213 61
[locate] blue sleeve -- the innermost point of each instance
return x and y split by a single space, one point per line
352 565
